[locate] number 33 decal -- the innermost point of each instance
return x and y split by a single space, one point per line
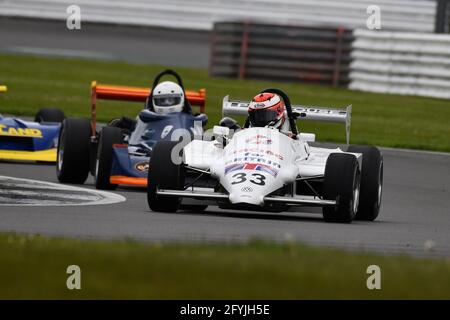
257 179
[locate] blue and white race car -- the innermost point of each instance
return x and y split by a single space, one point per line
119 153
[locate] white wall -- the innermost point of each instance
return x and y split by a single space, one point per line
403 63
410 15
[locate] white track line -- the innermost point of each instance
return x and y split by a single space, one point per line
27 185
27 202
102 197
62 196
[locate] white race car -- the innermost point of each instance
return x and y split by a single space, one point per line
263 169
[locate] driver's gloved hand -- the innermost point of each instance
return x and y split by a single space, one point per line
124 123
229 123
201 117
128 123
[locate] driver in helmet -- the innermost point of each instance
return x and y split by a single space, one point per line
265 110
167 97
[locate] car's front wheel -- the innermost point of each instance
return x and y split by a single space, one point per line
371 182
341 184
72 163
165 172
103 165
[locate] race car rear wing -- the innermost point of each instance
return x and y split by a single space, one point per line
240 108
136 94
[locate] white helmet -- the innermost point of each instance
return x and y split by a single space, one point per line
168 97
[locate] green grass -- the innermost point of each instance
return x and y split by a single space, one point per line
384 120
35 267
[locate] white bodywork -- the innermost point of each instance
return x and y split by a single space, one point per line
264 157
255 162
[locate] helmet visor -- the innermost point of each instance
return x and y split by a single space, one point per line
263 117
166 100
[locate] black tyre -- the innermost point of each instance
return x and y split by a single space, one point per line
108 137
49 115
163 173
371 182
341 183
72 164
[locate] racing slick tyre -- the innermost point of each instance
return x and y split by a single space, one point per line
371 182
165 174
49 115
108 137
72 164
341 183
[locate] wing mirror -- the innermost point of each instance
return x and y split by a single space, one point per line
308 137
221 131
221 134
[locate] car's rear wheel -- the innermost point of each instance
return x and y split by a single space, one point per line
341 183
49 115
108 137
371 182
164 173
72 164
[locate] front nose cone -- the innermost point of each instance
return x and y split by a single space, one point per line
246 197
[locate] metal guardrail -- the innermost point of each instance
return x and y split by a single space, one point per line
401 63
410 15
376 61
286 53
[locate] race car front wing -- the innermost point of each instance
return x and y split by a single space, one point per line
214 196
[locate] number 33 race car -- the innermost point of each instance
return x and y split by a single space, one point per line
263 169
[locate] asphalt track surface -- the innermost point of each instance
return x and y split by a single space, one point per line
134 44
415 217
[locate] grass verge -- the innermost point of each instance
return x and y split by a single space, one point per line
35 267
379 119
